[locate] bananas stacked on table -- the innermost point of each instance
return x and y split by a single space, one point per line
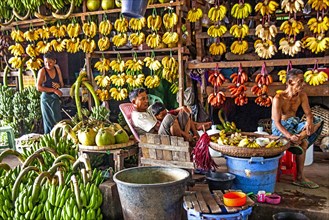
170 19
315 77
170 68
318 25
241 10
217 48
290 46
217 13
194 14
292 6
316 44
265 49
266 7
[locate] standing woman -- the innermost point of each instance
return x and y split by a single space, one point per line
49 81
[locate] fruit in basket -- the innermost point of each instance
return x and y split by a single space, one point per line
104 136
121 136
241 10
107 4
87 136
93 5
292 6
249 143
266 7
194 14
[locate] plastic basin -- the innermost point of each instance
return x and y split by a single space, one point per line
219 180
235 199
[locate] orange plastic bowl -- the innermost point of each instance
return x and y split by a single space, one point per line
235 198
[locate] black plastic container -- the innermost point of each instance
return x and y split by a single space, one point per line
289 216
219 180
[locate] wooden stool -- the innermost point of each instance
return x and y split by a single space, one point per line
10 137
287 165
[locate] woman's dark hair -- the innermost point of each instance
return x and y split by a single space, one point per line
49 55
133 94
292 73
157 107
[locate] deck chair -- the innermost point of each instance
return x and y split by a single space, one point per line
126 109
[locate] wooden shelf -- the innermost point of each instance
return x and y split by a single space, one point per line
137 51
258 63
15 73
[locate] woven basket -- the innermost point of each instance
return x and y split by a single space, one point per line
107 147
250 152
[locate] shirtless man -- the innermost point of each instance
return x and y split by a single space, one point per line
285 123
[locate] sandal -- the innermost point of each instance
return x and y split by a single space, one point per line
306 184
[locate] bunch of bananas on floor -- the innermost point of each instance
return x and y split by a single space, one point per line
319 5
216 99
248 143
152 63
217 13
105 27
239 47
264 100
58 31
119 94
266 7
216 78
134 65
58 44
265 49
15 62
137 38
241 10
170 19
315 77
103 94
103 65
239 30
73 45
31 35
259 89
283 76
121 24
317 44
88 45
118 79
216 30
170 37
266 31
89 29
73 29
120 39
318 25
17 35
170 68
194 14
137 24
292 27
16 49
217 48
292 6
290 46
104 43
103 81
135 81
154 22
118 65
34 63
152 81
153 40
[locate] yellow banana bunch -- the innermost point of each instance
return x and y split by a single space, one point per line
31 35
174 88
120 39
121 24
73 45
31 51
291 27
137 24
102 81
317 44
153 40
265 49
246 142
266 7
217 48
241 10
274 143
103 43
170 19
152 63
118 80
44 33
315 77
135 81
88 45
43 47
16 62
194 14
103 65
239 47
154 22
103 94
137 38
119 94
89 29
216 30
283 76
290 46
34 63
170 68
17 35
239 31
319 25
217 13
319 5
170 37
134 65
105 27
73 29
152 81
118 65
292 6
58 31
58 45
265 31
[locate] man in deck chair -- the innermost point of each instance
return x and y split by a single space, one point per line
145 122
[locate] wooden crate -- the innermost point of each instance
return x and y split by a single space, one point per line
164 150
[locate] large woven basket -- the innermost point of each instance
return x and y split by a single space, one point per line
250 152
107 147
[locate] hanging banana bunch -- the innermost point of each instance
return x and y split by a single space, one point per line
58 30
265 49
58 44
17 35
152 63
315 77
121 24
217 13
319 5
194 15
317 44
88 45
217 48
283 73
104 43
119 94
72 45
16 49
292 6
31 34
103 65
89 28
105 26
170 68
153 80
154 21
290 46
266 7
137 38
43 46
266 31
103 94
241 10
137 24
291 27
216 30
31 50
239 47
135 81
120 39
170 37
119 79
170 19
34 63
118 65
239 30
318 25
153 40
73 29
134 66
44 32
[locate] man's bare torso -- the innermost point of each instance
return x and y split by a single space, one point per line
289 106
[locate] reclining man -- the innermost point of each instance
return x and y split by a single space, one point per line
301 134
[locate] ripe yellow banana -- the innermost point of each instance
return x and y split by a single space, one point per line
217 48
194 14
